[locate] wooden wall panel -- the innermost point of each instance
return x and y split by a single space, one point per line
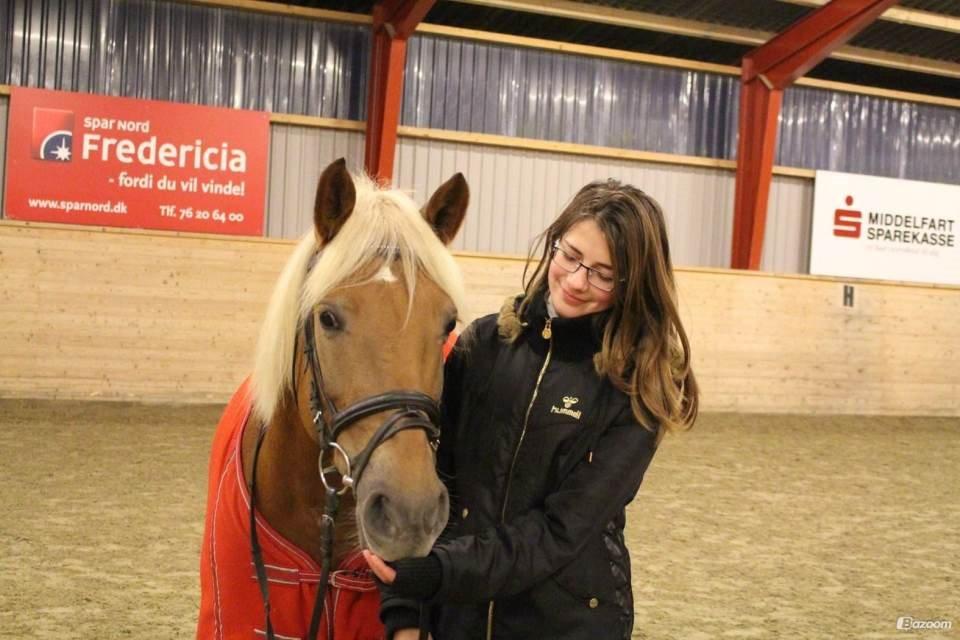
127 315
89 313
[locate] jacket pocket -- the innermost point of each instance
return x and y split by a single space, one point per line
589 578
553 612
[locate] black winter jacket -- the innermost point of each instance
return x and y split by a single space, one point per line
541 456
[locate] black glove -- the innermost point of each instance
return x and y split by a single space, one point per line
397 613
417 579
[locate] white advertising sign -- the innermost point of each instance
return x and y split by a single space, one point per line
885 228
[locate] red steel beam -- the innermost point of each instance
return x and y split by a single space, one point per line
383 104
759 115
393 22
790 54
766 72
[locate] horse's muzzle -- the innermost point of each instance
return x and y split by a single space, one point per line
398 524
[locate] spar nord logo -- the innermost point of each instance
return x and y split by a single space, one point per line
847 222
52 134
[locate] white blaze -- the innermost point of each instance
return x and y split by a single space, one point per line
385 274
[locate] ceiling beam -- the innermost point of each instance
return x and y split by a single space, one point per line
902 15
766 72
626 18
698 29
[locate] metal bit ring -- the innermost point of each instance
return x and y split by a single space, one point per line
347 478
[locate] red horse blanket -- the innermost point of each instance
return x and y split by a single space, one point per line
230 603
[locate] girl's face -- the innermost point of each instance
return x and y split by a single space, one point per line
577 294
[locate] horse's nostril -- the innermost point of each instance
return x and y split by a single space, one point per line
378 514
387 515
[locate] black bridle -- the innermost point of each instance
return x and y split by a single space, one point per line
411 410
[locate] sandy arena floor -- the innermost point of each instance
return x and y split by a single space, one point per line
747 527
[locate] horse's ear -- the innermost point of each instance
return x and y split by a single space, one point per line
336 197
447 206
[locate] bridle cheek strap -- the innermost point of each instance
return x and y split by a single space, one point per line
412 410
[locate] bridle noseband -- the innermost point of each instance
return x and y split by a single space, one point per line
411 410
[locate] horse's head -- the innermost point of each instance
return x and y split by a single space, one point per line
378 294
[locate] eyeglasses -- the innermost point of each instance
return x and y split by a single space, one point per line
599 279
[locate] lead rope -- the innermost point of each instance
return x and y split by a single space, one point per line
331 505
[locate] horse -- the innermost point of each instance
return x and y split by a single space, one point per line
340 410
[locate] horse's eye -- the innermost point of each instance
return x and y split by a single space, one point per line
329 320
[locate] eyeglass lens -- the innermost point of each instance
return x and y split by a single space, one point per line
570 264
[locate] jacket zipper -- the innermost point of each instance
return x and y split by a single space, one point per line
547 334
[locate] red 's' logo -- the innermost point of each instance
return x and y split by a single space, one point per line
846 222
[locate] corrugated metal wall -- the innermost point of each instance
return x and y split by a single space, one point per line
297 157
492 88
489 88
515 194
186 53
182 52
857 133
227 57
786 243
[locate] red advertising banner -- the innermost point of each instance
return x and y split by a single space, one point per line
120 162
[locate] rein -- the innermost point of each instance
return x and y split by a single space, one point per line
411 410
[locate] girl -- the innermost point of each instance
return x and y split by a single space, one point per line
552 412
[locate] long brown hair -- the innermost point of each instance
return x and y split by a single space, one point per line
645 350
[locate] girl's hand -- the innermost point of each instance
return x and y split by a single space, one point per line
386 574
409 634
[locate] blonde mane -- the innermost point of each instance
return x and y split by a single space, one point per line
381 219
